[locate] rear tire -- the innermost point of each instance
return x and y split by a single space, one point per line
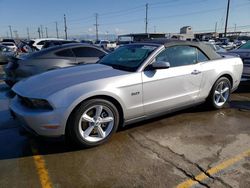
220 93
92 123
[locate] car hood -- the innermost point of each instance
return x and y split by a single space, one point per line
45 84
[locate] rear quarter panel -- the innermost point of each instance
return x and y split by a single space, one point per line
213 70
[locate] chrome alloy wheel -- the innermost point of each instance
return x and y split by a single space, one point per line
221 93
96 123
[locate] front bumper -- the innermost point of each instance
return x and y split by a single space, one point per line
43 123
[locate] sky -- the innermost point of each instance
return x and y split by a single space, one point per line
120 16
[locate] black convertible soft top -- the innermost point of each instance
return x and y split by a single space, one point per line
211 54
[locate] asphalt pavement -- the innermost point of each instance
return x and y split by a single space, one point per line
192 148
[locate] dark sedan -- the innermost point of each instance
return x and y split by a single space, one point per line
52 58
244 52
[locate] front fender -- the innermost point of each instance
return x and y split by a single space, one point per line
69 101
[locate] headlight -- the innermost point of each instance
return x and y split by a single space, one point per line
41 104
35 103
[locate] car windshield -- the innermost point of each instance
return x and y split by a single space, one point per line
245 46
128 57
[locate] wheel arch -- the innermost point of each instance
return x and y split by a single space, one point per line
229 77
105 97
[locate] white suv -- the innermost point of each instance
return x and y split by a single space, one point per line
11 45
38 43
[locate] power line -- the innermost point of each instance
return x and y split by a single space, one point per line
222 28
152 5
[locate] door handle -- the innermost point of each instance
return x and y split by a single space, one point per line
195 72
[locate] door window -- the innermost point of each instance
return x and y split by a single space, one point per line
201 56
179 55
65 53
87 52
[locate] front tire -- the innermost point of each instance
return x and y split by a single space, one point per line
220 93
93 123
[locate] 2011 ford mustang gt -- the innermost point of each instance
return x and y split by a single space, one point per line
135 82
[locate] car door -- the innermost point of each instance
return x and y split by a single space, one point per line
174 87
87 55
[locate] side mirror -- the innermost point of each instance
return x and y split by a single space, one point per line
160 65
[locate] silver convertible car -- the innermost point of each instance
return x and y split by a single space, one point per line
135 82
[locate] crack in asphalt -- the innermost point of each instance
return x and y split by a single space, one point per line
187 174
217 156
222 182
218 153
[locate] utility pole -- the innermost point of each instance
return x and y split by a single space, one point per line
10 31
215 30
228 7
235 26
154 29
16 34
46 30
39 32
146 20
28 33
65 27
96 26
56 30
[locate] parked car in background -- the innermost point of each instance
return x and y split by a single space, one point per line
52 58
9 40
133 83
5 54
51 43
25 47
244 52
106 44
239 42
38 43
11 45
225 43
221 51
87 41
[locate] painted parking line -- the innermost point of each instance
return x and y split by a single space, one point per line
214 170
40 167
